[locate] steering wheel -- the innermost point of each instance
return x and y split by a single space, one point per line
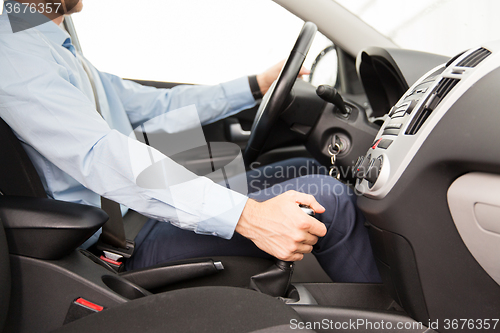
275 98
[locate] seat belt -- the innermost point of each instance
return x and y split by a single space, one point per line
113 237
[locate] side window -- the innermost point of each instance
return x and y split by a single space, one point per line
188 41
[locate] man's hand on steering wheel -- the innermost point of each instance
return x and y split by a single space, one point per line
266 79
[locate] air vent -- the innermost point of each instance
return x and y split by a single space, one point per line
452 60
473 59
439 93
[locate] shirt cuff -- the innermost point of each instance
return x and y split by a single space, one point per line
220 220
238 93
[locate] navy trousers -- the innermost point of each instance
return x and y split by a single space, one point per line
344 252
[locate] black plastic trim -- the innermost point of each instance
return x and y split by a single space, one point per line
159 276
45 228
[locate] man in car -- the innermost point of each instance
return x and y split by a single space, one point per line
47 97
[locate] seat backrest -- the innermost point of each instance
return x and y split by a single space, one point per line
4 278
17 177
17 174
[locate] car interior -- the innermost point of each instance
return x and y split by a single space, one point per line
412 133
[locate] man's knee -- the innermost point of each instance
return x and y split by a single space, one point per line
322 186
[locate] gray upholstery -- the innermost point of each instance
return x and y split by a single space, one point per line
200 310
203 309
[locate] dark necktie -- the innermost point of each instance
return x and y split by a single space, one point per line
67 44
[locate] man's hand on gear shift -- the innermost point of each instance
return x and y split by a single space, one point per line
279 227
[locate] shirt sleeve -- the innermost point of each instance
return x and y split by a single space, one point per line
54 117
212 102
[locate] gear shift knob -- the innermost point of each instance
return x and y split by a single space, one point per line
308 210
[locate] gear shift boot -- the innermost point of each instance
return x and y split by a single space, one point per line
275 281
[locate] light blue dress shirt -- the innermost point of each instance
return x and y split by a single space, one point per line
47 99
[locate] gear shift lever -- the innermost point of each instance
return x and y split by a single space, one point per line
276 280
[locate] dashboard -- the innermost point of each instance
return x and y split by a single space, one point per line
414 116
430 189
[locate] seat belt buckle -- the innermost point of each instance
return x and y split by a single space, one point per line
123 252
114 263
112 255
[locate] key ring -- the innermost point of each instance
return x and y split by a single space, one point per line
333 169
333 150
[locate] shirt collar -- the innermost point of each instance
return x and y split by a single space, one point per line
53 32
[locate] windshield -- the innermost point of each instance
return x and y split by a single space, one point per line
444 27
